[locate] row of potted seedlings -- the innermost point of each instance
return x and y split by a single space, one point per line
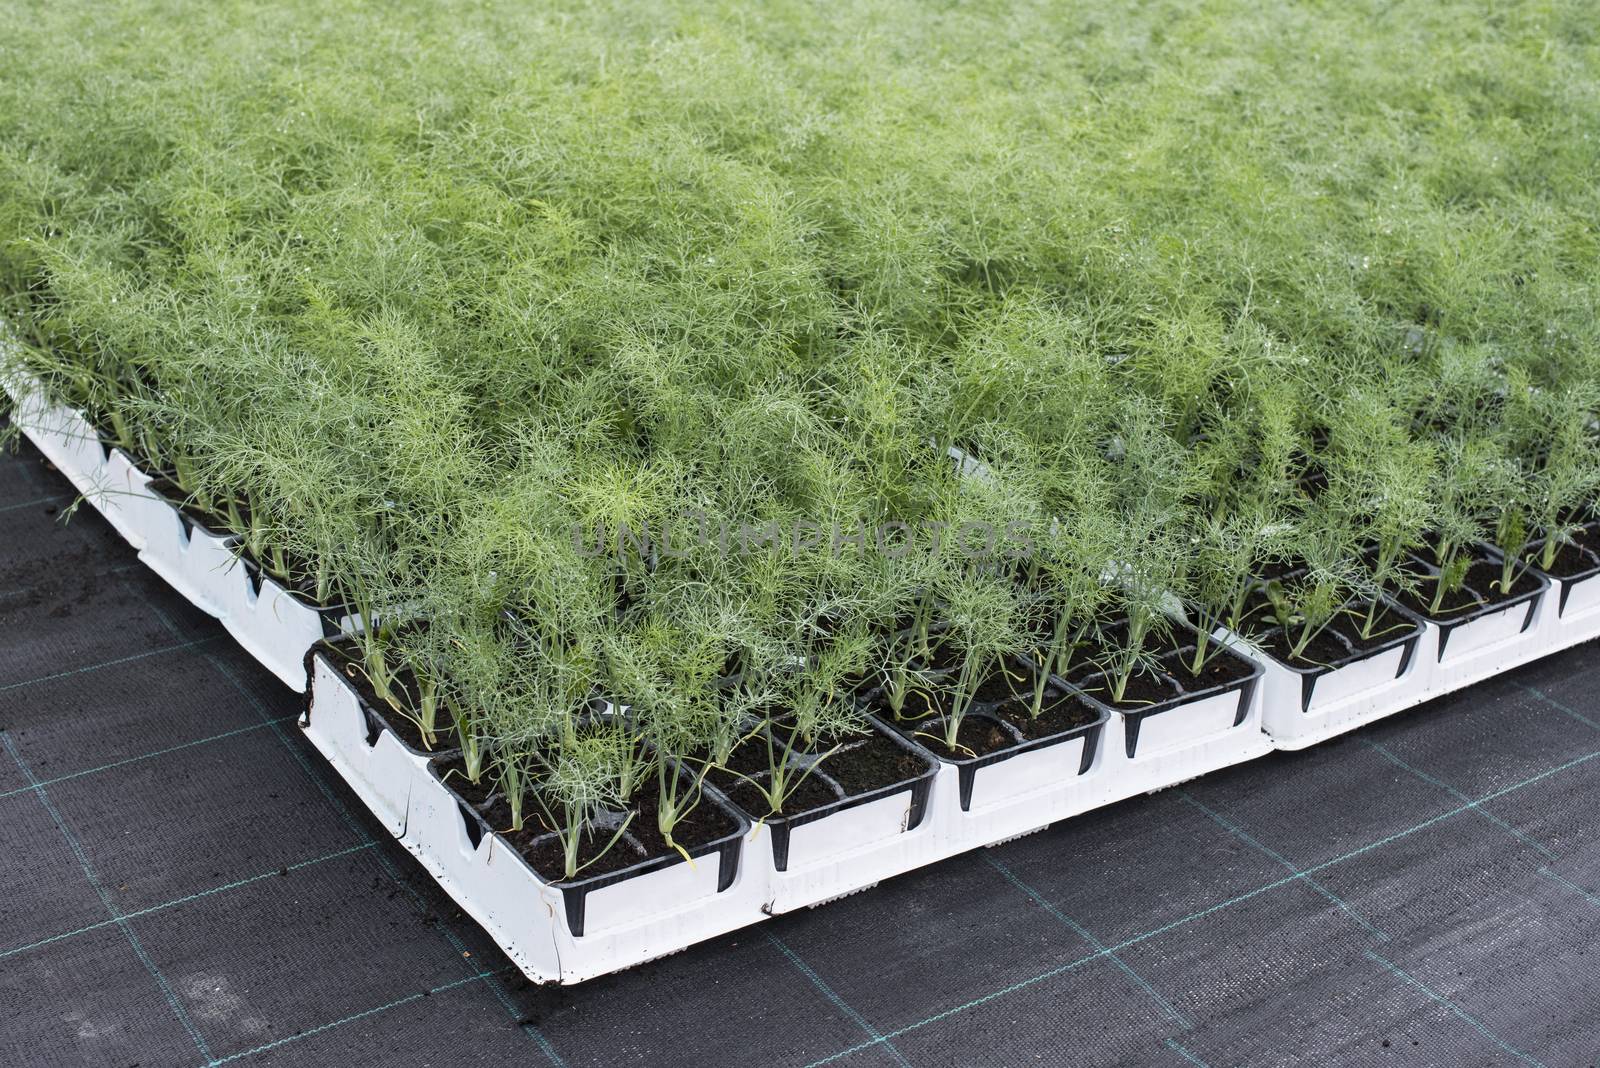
637 847
207 548
1201 623
956 745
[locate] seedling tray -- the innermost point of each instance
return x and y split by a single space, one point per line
847 846
650 913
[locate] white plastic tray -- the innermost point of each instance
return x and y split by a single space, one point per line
667 910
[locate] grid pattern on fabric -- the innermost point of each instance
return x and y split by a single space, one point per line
183 881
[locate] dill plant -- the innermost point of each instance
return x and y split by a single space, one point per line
1153 489
1559 468
1382 479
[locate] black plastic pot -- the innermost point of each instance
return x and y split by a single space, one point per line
967 767
1449 624
1135 717
781 825
1310 673
575 892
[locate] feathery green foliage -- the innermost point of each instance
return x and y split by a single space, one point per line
1282 310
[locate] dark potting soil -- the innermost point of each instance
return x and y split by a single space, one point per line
1386 626
1323 650
453 773
641 841
347 659
943 658
1006 680
1482 587
1454 602
976 735
751 761
859 765
1579 556
1219 670
870 763
812 792
1061 712
1101 649
1144 689
918 706
1588 537
923 716
1339 641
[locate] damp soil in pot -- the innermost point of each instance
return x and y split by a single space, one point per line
999 718
863 765
641 843
829 778
1473 591
1578 557
998 723
1165 681
1335 645
1165 676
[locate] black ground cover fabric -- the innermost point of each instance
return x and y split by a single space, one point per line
183 881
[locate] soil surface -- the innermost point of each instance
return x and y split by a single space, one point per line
1579 556
641 841
811 792
870 763
1219 670
1062 712
1144 689
750 761
453 773
1001 718
1339 642
1482 588
1326 649
1386 626
978 734
859 765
